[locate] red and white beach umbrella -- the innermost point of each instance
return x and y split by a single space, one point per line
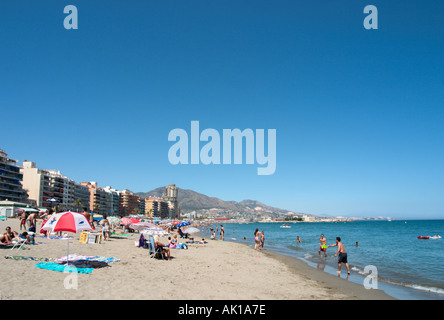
67 221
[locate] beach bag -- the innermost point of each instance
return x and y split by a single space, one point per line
142 241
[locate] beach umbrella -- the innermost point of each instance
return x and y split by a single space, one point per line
183 224
134 220
125 221
114 220
97 217
141 225
191 230
154 231
67 221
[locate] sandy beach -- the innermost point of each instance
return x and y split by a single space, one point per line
218 270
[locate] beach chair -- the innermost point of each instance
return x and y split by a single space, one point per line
18 243
183 235
155 252
150 245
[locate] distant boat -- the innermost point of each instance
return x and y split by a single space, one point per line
286 225
430 237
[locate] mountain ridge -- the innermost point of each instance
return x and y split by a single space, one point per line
190 200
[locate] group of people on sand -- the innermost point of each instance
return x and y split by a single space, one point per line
106 225
28 221
10 235
259 239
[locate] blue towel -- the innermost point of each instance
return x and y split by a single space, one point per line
62 268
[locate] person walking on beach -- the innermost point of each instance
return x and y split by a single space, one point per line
322 245
105 228
342 255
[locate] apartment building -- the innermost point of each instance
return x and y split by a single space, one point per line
11 180
99 199
156 207
114 199
51 189
129 203
81 193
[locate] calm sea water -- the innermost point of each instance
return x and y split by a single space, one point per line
408 268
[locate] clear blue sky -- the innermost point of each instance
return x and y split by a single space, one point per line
359 113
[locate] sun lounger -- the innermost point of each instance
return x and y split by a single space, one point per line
183 235
18 243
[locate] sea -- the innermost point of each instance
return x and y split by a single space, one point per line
386 255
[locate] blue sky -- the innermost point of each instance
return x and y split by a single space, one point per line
359 113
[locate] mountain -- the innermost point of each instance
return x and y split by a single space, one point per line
190 200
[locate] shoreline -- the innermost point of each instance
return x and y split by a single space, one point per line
355 291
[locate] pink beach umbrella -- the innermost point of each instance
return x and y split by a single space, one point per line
125 221
141 225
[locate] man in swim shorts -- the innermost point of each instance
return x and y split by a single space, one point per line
322 245
342 255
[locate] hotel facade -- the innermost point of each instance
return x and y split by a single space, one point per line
11 180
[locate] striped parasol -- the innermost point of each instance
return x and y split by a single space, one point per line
141 225
114 220
155 231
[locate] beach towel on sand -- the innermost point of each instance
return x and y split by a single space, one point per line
62 268
88 264
27 258
78 258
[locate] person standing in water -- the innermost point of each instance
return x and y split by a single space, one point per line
322 245
257 239
262 239
222 232
342 255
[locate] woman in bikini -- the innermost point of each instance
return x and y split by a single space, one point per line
257 239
